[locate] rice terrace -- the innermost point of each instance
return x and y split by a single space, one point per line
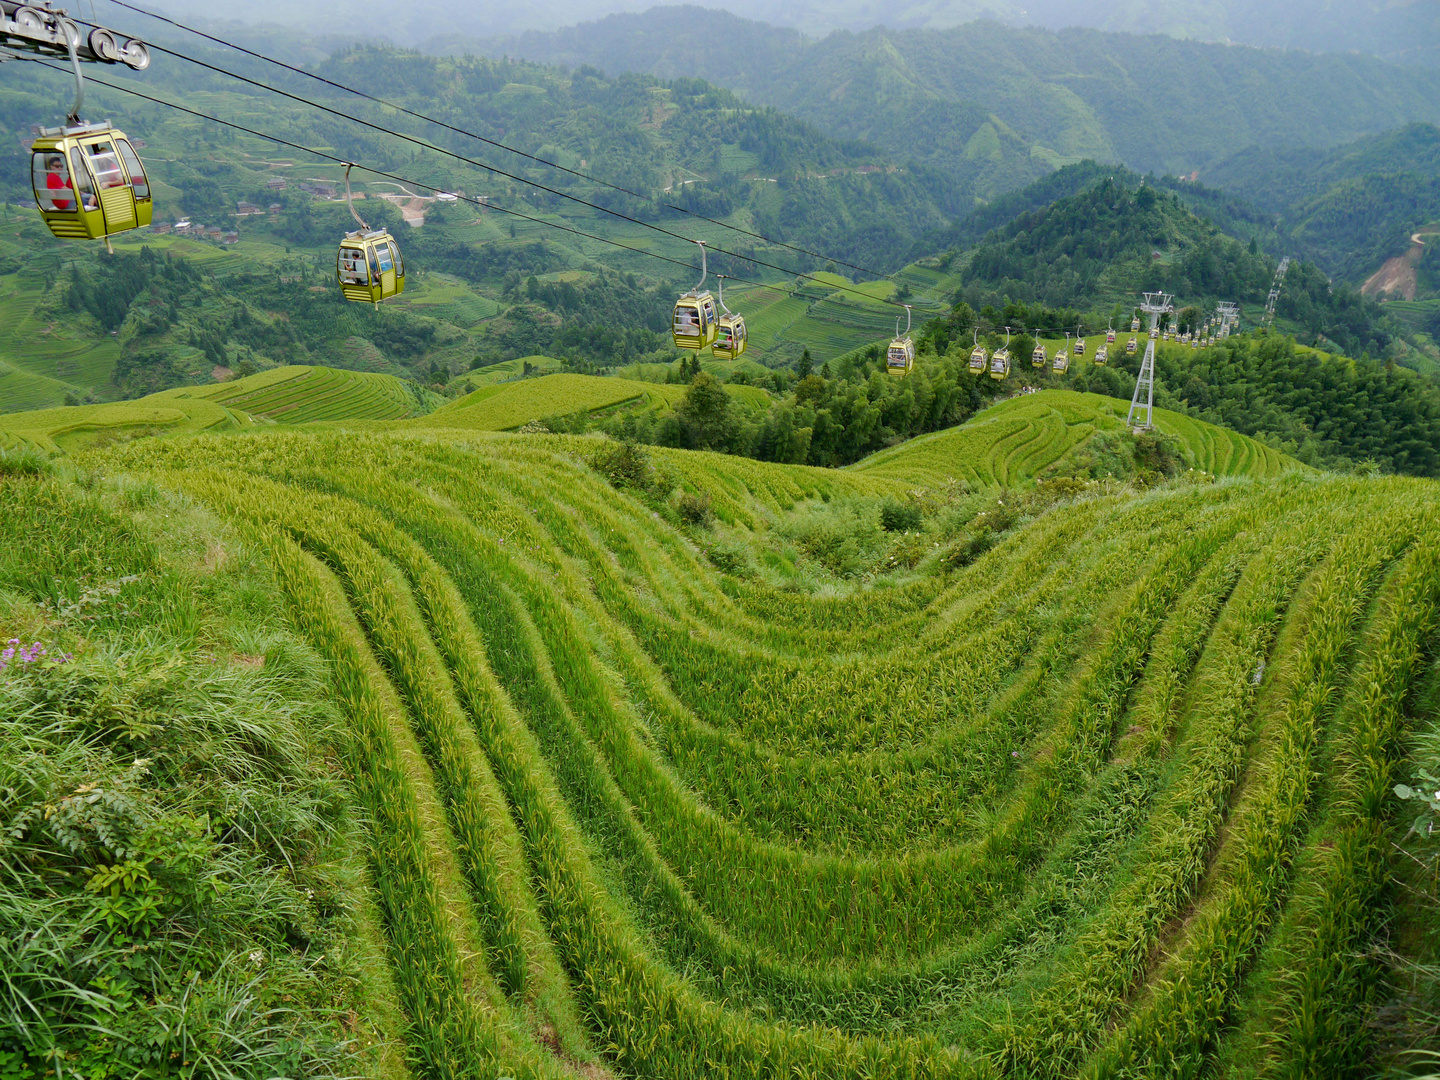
1092 780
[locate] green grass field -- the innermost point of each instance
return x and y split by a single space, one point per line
298 395
1074 801
72 428
504 371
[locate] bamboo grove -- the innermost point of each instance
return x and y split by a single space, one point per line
1109 801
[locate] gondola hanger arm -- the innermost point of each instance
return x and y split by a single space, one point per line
350 199
72 33
704 271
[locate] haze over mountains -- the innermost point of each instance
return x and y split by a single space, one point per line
1022 100
1402 30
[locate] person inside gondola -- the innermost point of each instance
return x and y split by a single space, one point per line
107 166
56 181
352 267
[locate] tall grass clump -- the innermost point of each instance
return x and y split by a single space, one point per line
174 899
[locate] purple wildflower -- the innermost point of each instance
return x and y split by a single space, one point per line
30 654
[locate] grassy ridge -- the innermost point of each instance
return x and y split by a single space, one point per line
1022 437
713 826
290 395
297 395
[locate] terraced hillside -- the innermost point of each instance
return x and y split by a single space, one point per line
1026 436
299 395
507 406
287 395
76 427
1109 800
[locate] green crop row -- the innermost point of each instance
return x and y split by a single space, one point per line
1110 955
447 1038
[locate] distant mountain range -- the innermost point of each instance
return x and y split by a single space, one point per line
1407 31
1019 100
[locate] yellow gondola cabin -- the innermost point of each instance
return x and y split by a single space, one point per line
900 357
369 267
89 182
695 323
730 336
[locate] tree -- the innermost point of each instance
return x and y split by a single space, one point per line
806 364
705 413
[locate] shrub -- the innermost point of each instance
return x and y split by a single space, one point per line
625 465
1158 453
896 516
842 535
732 558
23 461
694 508
967 549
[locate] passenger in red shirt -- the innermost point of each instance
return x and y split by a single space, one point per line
55 180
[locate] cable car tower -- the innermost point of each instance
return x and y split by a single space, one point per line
1275 290
1229 315
1156 304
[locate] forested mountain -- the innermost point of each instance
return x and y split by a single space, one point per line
1350 207
685 142
556 277
1016 100
1329 411
1400 30
1110 242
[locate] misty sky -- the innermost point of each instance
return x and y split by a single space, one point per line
1396 29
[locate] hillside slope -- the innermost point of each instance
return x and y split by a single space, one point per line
564 278
1112 241
1067 806
1349 208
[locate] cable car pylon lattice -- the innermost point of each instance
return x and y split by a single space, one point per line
1156 304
